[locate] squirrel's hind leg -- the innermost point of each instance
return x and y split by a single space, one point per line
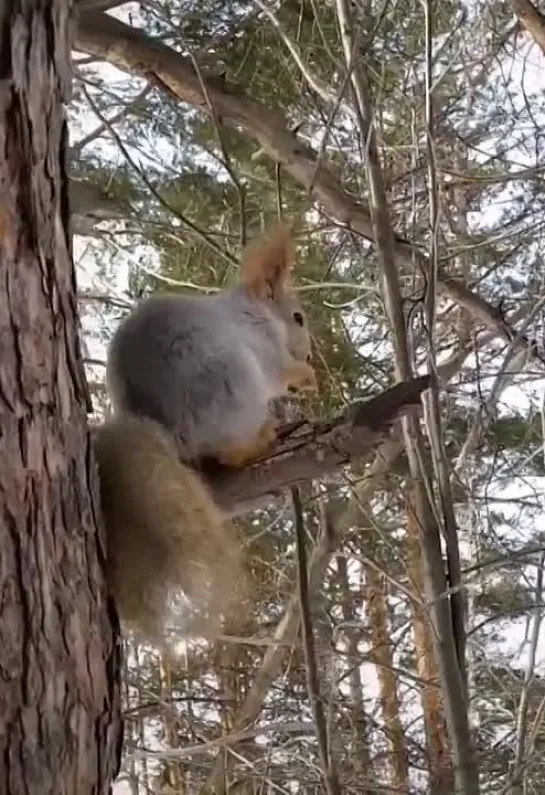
237 455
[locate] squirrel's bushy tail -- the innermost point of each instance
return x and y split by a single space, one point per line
166 539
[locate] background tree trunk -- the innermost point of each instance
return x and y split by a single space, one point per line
59 661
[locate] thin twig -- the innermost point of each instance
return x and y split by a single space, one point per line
226 162
294 727
182 218
76 148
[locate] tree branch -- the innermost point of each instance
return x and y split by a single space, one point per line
531 19
311 451
133 51
447 649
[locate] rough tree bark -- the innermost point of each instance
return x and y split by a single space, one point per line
382 654
59 661
437 742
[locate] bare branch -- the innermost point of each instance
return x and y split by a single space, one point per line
128 107
133 51
197 230
429 523
532 19
313 451
288 727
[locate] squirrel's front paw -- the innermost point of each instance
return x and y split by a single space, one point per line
237 455
302 377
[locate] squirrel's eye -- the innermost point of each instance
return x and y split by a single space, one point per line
299 319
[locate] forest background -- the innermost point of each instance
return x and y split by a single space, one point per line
406 140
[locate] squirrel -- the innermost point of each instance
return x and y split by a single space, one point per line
191 378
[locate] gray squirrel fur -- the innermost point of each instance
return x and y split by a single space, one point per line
189 378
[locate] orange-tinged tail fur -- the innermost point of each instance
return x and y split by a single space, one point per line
165 536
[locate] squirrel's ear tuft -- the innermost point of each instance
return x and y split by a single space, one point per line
266 265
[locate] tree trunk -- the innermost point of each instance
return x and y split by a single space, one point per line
360 757
59 660
382 656
441 776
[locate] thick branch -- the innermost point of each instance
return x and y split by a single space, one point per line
532 19
313 451
133 51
